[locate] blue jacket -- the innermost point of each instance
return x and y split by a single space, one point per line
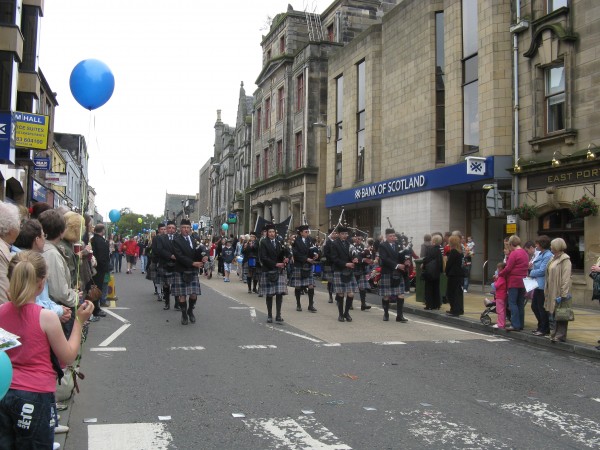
539 268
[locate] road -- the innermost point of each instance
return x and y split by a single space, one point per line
232 381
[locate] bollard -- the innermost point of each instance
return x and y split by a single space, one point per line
112 292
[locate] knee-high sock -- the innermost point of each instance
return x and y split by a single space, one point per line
269 300
297 293
340 304
311 296
278 302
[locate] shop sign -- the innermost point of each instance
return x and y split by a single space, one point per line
589 173
32 130
7 138
38 192
41 163
511 228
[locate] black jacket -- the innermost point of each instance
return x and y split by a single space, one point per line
340 254
302 251
389 258
269 255
164 250
185 255
433 262
250 250
101 252
454 264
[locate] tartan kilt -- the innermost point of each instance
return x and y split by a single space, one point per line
267 287
361 281
152 270
327 274
181 288
296 279
343 288
248 271
385 286
161 276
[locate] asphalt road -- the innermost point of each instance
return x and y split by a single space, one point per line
231 381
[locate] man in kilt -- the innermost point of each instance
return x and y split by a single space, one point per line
250 263
392 280
273 257
305 255
153 264
166 262
327 268
365 258
189 257
343 261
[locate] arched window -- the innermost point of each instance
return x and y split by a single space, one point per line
561 223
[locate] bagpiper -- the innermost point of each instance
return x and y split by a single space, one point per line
273 256
305 255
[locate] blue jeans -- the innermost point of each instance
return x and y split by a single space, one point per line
143 262
516 304
27 420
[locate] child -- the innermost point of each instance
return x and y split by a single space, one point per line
228 253
500 296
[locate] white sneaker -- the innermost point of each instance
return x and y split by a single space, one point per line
55 446
465 291
61 429
495 325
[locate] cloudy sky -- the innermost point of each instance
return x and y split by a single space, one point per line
175 64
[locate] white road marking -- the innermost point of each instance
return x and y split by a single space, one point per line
580 429
497 340
117 308
115 335
257 346
303 433
252 310
108 349
295 334
329 344
596 399
116 316
439 431
129 436
390 343
188 348
449 328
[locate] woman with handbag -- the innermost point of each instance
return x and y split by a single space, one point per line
430 272
557 289
455 274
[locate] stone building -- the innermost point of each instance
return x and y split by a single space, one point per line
558 155
290 109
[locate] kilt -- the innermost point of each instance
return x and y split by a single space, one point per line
361 281
385 286
181 288
267 287
327 274
343 288
162 277
248 271
152 272
296 279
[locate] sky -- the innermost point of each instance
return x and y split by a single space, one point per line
175 64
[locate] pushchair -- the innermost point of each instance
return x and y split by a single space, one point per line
490 308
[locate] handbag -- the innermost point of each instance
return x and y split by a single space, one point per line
251 262
273 276
188 277
563 312
94 293
346 275
395 279
306 271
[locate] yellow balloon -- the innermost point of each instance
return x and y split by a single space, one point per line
140 220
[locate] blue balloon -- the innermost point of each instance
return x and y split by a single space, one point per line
92 83
195 227
114 215
224 227
6 374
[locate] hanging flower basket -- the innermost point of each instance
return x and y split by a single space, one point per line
525 211
585 206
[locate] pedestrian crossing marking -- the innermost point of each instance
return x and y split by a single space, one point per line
129 436
390 343
188 348
257 346
108 349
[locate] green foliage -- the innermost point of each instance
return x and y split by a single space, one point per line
525 211
585 206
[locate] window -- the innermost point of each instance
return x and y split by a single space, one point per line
339 114
257 168
330 33
561 223
299 92
29 28
7 72
268 113
258 122
268 55
7 12
553 5
299 150
282 45
470 77
360 122
280 103
280 156
266 163
555 98
440 91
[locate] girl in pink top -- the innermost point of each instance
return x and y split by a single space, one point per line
517 267
27 409
500 297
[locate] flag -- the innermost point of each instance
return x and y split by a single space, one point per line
282 228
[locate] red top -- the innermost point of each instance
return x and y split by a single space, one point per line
517 266
500 288
32 369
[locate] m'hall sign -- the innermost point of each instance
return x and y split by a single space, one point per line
562 177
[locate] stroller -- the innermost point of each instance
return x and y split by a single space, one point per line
490 308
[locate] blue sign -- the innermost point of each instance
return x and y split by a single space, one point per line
7 138
41 163
38 192
409 184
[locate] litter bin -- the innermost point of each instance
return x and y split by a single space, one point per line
419 283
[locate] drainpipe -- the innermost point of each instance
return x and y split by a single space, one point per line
306 125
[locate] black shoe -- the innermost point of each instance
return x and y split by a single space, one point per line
365 307
347 317
386 317
351 308
255 290
192 317
312 309
341 319
330 300
298 308
176 307
260 295
167 307
249 291
184 321
401 319
450 313
269 320
100 314
278 319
